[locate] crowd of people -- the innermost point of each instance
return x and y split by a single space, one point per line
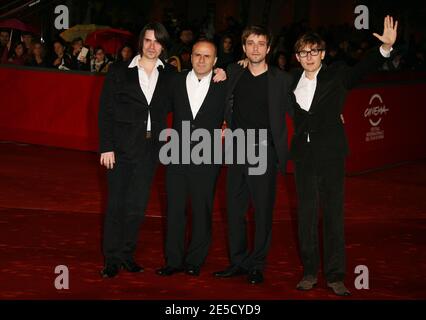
344 45
30 51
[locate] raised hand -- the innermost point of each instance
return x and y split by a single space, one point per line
389 33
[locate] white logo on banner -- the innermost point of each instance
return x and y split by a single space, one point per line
375 113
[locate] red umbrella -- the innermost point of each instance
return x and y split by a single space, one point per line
109 39
18 25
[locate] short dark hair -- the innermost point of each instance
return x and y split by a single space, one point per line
160 33
257 30
61 42
127 45
75 40
206 41
310 38
185 28
98 48
38 42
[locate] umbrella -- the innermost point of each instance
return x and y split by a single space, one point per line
109 39
80 31
18 25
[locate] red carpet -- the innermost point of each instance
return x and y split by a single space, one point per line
50 214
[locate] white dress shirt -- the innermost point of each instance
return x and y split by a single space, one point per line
146 83
197 90
305 88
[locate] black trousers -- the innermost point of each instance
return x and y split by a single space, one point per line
321 184
199 188
260 189
129 185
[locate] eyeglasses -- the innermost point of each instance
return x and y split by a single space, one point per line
313 53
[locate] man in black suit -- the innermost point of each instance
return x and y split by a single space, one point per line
319 147
258 98
197 103
133 111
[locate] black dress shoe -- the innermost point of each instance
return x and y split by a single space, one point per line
255 277
168 271
192 270
231 271
131 266
110 271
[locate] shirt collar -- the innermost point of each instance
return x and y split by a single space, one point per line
206 78
315 77
135 62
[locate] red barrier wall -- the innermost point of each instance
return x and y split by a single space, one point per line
384 120
51 108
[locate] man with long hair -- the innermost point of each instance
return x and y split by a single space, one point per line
133 111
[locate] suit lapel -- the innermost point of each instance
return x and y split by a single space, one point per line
209 93
319 89
185 97
297 74
296 78
158 86
133 77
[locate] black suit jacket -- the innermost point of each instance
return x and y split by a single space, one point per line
210 115
322 122
123 112
280 101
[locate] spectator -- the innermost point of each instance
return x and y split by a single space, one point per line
17 56
79 62
38 56
174 61
61 59
126 53
281 61
4 39
183 47
100 62
185 59
27 39
225 54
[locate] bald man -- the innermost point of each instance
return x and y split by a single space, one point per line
197 103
